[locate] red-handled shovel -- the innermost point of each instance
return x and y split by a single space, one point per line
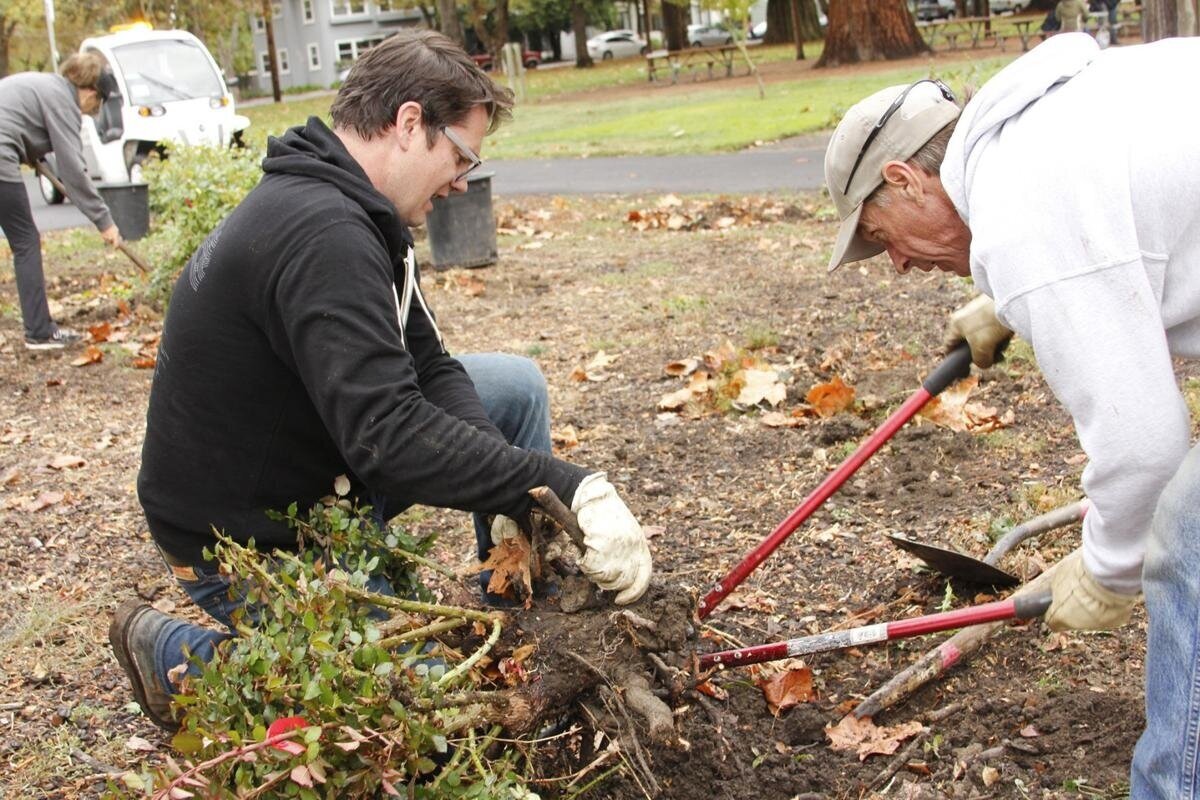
955 366
1019 607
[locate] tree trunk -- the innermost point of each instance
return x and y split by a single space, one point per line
450 24
429 14
493 35
779 22
1162 19
555 37
272 56
649 21
6 32
795 8
674 25
870 30
579 24
810 21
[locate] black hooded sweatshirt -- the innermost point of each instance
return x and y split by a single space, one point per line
297 347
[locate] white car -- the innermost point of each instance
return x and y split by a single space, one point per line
615 44
168 89
708 36
1005 6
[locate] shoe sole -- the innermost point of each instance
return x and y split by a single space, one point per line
118 638
45 345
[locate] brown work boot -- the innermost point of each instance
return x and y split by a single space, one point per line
132 634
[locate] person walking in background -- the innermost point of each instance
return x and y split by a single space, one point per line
41 113
1072 14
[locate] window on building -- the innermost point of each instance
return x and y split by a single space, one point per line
276 10
386 6
264 61
309 12
284 66
346 8
260 24
349 50
314 57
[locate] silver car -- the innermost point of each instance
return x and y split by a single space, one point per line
1008 6
615 44
708 36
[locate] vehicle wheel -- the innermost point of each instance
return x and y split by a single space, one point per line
52 196
728 40
697 44
531 63
1017 9
645 50
950 14
607 56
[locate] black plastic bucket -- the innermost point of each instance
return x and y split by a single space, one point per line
130 207
462 227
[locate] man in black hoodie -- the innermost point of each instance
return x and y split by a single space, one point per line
298 348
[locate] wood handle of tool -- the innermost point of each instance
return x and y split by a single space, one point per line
558 511
134 257
941 658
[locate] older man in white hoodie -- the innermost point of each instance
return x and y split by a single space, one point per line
1092 254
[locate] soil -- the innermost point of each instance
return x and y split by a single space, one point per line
1033 714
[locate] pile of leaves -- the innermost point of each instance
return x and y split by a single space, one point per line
674 214
333 690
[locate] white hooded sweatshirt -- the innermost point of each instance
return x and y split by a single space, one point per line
1078 172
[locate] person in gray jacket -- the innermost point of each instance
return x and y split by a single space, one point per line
41 113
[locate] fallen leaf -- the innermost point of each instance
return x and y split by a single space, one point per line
866 738
471 285
138 744
952 410
830 398
10 476
761 385
509 563
43 501
301 776
144 362
787 688
64 461
100 332
565 438
777 419
91 355
1030 732
679 369
674 401
989 775
523 652
712 690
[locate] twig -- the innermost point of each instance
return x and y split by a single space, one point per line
93 762
423 561
417 607
557 511
424 632
900 760
237 752
474 658
603 776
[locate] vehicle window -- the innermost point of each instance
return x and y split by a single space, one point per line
166 69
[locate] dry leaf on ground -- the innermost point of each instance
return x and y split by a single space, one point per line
43 501
952 410
778 419
761 385
90 355
830 398
65 461
866 738
509 563
565 438
788 688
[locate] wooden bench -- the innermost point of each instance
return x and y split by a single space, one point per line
691 60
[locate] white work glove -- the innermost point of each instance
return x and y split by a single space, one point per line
976 323
1080 603
617 557
504 528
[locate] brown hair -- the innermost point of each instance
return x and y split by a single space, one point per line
83 69
422 66
928 159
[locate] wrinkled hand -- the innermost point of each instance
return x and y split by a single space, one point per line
617 557
111 236
1080 603
976 323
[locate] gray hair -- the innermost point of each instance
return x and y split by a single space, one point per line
928 159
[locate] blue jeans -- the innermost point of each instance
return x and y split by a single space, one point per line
515 398
1165 761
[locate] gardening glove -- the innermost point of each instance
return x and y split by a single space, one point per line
504 528
617 556
1081 603
976 323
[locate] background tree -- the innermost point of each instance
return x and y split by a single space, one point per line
779 22
869 30
1162 19
675 21
489 20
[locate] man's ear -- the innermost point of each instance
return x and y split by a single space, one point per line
906 179
410 123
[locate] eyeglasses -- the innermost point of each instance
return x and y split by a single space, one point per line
892 109
465 152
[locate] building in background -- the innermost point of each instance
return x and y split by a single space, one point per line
316 41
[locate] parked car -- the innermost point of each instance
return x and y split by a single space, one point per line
936 9
759 30
708 35
616 44
530 58
169 89
1008 6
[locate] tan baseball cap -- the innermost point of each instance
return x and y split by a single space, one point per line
890 125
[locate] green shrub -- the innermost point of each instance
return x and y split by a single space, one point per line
191 190
371 706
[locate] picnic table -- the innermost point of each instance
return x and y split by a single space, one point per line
952 29
692 60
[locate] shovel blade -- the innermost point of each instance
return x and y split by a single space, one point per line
955 564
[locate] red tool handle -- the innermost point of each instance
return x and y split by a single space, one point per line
1024 607
955 366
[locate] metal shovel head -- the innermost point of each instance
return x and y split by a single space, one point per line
956 564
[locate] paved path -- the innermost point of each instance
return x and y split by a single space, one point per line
795 165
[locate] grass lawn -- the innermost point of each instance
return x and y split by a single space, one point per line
602 111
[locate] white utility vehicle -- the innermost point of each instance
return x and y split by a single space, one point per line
169 89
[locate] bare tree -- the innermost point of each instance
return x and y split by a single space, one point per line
870 30
579 24
1162 19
